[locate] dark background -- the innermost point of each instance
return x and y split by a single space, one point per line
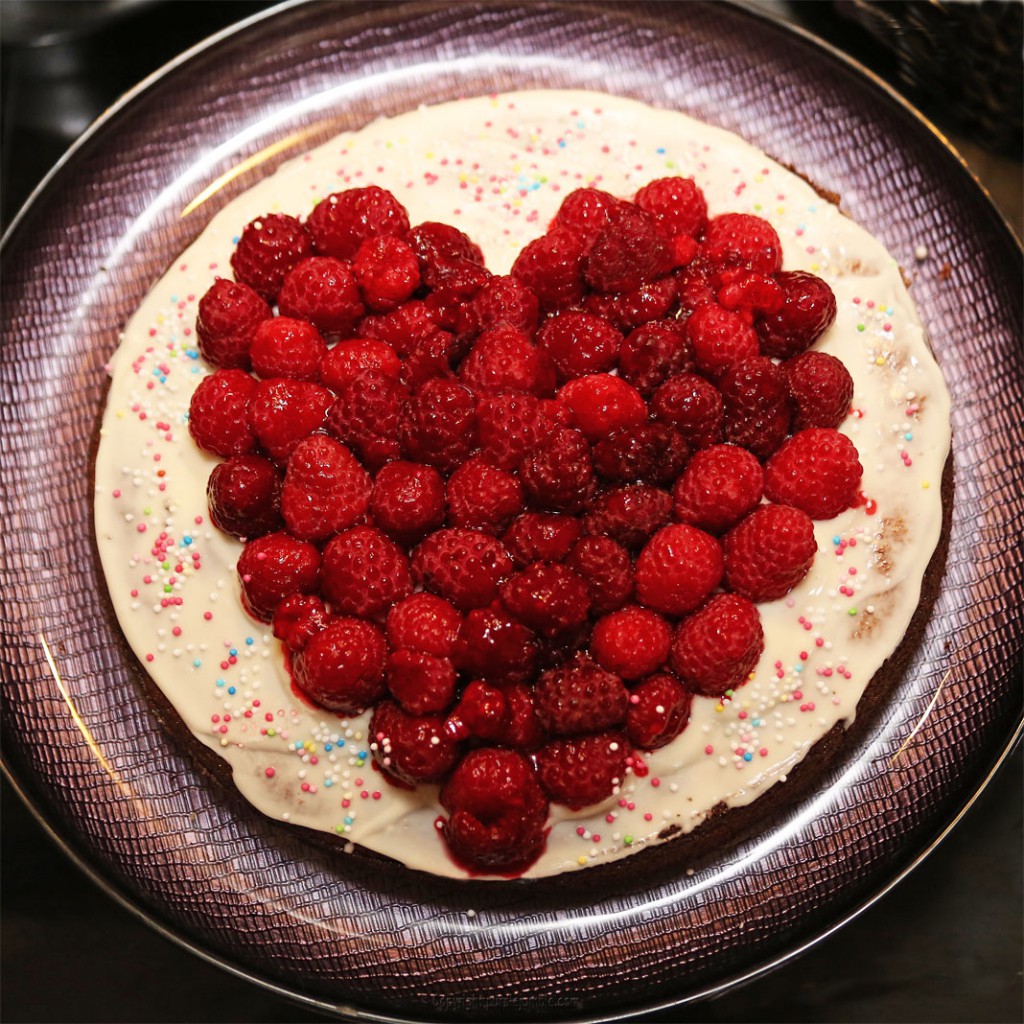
945 945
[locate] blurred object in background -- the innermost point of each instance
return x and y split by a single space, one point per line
30 23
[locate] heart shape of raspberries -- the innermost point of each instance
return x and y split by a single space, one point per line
522 519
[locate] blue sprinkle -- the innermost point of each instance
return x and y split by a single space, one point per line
186 540
220 682
248 641
348 819
297 745
748 756
798 668
328 747
232 690
235 240
196 663
837 540
328 783
233 652
908 436
341 743
661 150
756 723
561 143
362 753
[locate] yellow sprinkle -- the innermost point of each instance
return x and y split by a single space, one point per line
120 414
925 484
719 707
879 360
581 860
815 267
780 209
309 745
428 156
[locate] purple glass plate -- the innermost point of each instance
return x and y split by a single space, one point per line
141 814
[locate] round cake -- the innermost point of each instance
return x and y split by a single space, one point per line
499 170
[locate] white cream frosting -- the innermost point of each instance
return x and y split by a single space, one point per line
498 167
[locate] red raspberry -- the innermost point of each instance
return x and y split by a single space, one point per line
579 698
422 683
348 359
741 240
364 572
600 404
579 344
817 471
437 244
455 284
751 294
322 290
585 213
228 315
629 514
503 359
659 710
606 568
581 770
716 648
368 417
325 489
756 404
493 646
820 387
218 416
630 250
463 566
718 488
244 496
505 715
677 569
424 622
482 497
678 204
274 566
626 310
654 352
510 426
341 222
342 667
559 475
497 812
408 501
552 268
720 339
269 247
283 412
769 553
404 329
387 272
505 300
298 618
439 426
808 311
432 357
410 749
283 347
652 453
693 406
632 642
694 287
541 537
549 598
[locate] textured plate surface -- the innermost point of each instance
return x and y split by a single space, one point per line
83 741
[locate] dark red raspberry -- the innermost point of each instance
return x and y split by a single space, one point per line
653 453
482 497
541 537
410 749
654 352
504 715
348 359
585 213
455 284
716 648
769 552
678 203
505 300
816 470
228 316
626 310
432 357
632 642
463 566
659 710
342 667
580 697
342 221
269 247
693 406
605 566
298 618
678 569
422 683
424 622
579 344
274 566
364 572
218 413
820 387
720 339
493 646
437 244
244 496
601 404
549 598
387 272
439 426
581 770
751 294
322 290
718 488
552 268
741 240
284 347
630 250
404 329
283 412
368 417
503 359
694 286
559 475
408 500
808 311
510 426
629 514
756 403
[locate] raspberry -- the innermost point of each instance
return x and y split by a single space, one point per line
820 387
581 770
283 347
497 812
436 244
502 360
387 272
431 358
410 749
269 247
652 453
677 569
630 250
404 329
368 416
559 475
422 683
659 710
816 470
756 404
625 310
541 537
408 500
600 404
632 642
552 268
439 426
510 426
348 359
364 572
808 311
716 648
580 698
605 566
549 598
341 222
585 213
718 488
218 417
228 315
322 290
298 618
751 294
455 284
482 497
769 552
424 622
693 406
629 514
283 412
741 240
244 496
720 339
325 489
504 715
654 352
693 286
677 203
505 300
493 646
342 667
463 566
274 566
579 344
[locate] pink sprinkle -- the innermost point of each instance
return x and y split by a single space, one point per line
581 831
648 816
149 657
269 772
709 749
655 783
207 616
117 492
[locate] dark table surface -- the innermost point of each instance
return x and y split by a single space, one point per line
944 945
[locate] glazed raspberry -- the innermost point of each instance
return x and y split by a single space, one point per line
404 329
497 811
578 698
756 403
677 569
368 417
504 715
541 537
552 268
653 453
654 352
632 642
341 222
816 470
503 359
581 770
600 404
629 514
244 496
298 618
579 344
605 566
325 489
218 417
348 359
718 488
585 213
432 357
631 249
716 648
693 406
559 475
510 426
694 287
769 552
659 710
439 426
549 598
463 566
410 749
408 500
424 622
269 247
720 339
342 667
626 310
422 683
387 272
284 347
436 244
751 294
322 290
273 567
228 315
283 412
482 497
820 387
454 284
364 572
493 646
741 240
678 204
505 300
808 311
